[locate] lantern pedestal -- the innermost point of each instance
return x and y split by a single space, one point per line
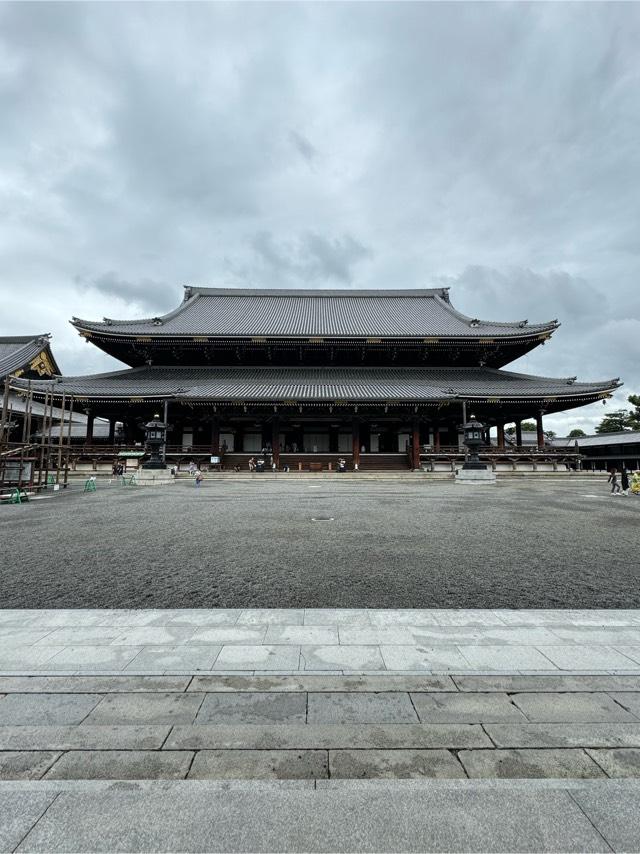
146 476
475 475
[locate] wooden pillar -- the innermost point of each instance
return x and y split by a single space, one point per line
501 435
415 445
519 433
356 442
112 431
215 436
89 435
436 436
275 441
540 430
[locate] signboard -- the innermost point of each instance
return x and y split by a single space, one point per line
215 461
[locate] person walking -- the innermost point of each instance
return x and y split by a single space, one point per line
624 480
613 480
199 477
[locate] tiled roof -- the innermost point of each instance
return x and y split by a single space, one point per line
17 351
604 439
323 384
229 312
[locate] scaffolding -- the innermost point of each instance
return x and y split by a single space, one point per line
30 456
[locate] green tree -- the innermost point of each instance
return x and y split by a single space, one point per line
615 422
527 427
634 417
575 434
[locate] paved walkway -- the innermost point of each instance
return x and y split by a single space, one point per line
330 815
271 641
308 730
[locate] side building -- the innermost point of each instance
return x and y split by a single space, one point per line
381 377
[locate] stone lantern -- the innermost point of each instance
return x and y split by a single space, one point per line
473 440
155 432
473 471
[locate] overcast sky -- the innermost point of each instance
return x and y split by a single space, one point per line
492 148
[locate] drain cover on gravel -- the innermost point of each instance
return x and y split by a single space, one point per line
322 518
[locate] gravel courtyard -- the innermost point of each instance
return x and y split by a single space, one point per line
389 545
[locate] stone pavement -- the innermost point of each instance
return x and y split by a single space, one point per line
319 727
337 641
474 730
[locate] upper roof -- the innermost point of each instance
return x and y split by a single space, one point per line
323 384
19 352
233 313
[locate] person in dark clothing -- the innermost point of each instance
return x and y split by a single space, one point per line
624 481
613 480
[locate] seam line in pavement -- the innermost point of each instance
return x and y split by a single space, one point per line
586 815
38 820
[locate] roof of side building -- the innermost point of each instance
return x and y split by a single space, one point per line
20 353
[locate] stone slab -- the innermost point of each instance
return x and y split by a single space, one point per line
559 682
73 635
572 763
571 708
326 736
26 765
253 708
158 708
565 735
10 636
260 765
465 708
160 659
583 657
91 684
321 635
46 709
156 818
91 658
617 762
221 635
121 765
22 658
19 812
400 657
630 700
394 764
506 657
362 707
341 658
82 737
315 683
615 813
271 616
243 657
336 617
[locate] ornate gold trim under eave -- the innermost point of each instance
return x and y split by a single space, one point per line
19 372
42 364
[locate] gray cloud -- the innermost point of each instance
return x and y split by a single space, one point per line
490 146
145 294
303 146
313 257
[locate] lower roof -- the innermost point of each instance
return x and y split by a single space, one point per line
324 384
